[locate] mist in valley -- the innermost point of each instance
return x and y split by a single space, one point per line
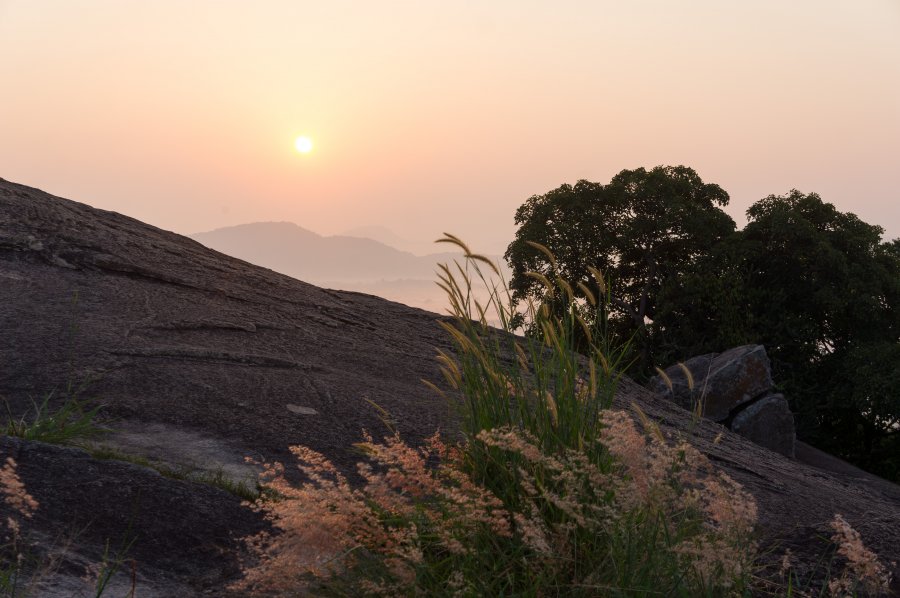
372 260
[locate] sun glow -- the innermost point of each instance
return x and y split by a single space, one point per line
303 144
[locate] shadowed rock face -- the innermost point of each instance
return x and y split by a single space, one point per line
228 359
721 381
734 388
186 536
768 422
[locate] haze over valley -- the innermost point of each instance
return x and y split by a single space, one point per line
346 262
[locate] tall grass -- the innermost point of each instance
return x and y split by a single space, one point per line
549 491
538 382
668 517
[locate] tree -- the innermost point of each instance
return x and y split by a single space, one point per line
826 304
821 292
640 230
817 287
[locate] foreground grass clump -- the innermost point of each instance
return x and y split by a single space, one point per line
71 423
550 492
423 525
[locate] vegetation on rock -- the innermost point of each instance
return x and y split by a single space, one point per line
817 287
549 491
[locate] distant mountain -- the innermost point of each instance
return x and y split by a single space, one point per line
303 254
385 235
344 262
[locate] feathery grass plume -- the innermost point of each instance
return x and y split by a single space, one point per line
451 378
688 375
566 288
522 358
550 291
14 492
598 277
484 260
551 408
384 415
454 240
698 404
431 385
23 506
650 427
543 249
601 358
665 378
585 328
863 571
588 294
450 363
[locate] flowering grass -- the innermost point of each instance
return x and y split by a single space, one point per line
549 492
22 506
863 572
849 569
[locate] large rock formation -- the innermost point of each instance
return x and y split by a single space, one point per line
720 381
203 359
734 388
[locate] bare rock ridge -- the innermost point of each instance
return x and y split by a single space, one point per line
203 359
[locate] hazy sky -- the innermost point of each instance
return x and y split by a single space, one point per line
431 116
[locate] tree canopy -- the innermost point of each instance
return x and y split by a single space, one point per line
816 286
641 229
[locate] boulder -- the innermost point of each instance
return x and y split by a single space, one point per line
735 388
768 422
722 381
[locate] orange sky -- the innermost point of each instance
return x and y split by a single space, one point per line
431 116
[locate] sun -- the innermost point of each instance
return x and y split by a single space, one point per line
303 144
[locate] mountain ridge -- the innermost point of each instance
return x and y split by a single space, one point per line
299 252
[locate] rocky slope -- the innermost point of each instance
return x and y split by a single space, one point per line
203 359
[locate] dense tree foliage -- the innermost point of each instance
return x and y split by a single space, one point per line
641 229
816 286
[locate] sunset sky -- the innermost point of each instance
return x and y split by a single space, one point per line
431 116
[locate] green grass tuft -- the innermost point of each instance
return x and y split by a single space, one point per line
72 423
